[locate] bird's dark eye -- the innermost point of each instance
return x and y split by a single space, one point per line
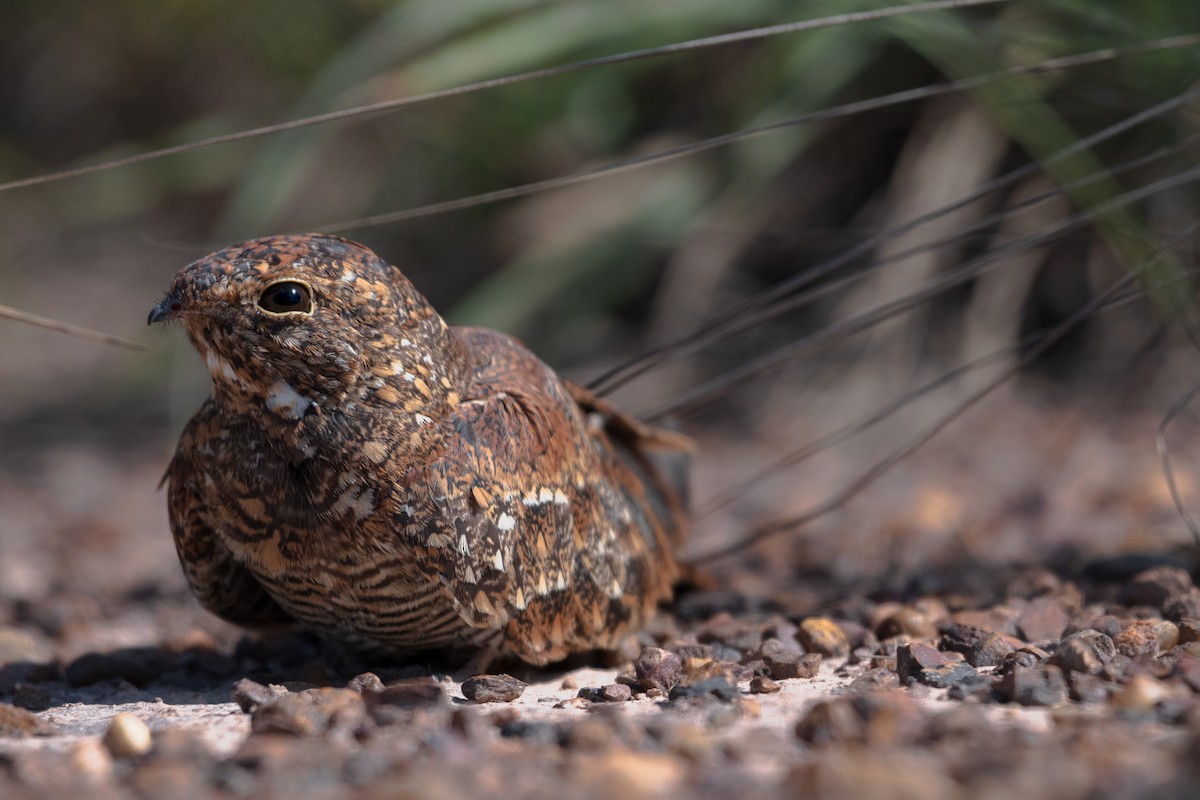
285 297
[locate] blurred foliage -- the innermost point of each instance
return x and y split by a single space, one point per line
570 270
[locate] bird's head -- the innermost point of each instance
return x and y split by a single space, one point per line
298 322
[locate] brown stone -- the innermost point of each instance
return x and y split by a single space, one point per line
822 635
1086 651
1037 686
761 684
991 650
1146 637
1042 620
493 688
912 658
659 669
908 621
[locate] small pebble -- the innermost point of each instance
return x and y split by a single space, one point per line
822 635
1086 651
616 693
249 695
1037 686
492 688
127 736
783 661
761 684
992 649
911 659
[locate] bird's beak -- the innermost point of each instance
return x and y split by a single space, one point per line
168 308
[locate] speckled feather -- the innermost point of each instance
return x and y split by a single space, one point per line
398 484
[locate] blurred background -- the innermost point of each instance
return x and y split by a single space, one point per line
1054 464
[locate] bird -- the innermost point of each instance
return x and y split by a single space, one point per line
400 486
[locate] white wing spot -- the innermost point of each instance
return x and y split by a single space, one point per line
422 419
282 397
349 277
506 522
545 495
220 368
560 498
498 561
462 546
405 343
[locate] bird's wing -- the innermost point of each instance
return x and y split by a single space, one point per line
557 534
222 584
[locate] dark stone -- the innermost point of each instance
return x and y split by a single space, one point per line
656 668
1086 651
1038 686
911 659
408 693
1042 620
492 688
992 650
784 662
249 695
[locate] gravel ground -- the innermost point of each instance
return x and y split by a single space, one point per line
898 650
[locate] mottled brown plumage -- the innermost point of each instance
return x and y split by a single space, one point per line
397 484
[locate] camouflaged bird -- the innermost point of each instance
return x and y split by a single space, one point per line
397 484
